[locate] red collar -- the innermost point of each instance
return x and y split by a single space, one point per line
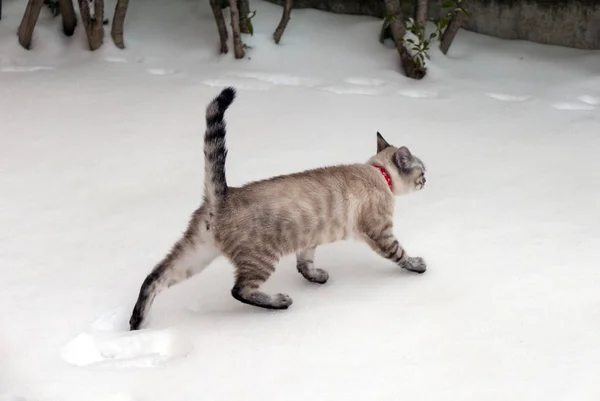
385 174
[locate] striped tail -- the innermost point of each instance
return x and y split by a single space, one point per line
215 151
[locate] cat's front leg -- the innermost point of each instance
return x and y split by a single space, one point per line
384 242
415 264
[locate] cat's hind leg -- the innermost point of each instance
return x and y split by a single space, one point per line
305 261
188 257
252 270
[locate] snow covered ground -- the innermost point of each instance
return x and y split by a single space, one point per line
101 165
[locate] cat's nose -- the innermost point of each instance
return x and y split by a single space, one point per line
424 180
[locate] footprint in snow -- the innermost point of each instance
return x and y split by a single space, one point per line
360 86
572 106
507 98
121 60
367 81
280 79
25 69
418 93
161 71
354 90
591 100
251 85
111 345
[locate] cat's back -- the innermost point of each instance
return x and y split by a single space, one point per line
349 180
296 210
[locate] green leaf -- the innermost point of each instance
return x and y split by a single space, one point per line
447 4
409 40
250 27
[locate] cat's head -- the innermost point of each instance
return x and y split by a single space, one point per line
405 169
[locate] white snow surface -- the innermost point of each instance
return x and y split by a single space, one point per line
102 165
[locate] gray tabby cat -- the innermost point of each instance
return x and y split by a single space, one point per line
255 225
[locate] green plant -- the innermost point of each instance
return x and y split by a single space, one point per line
420 46
457 7
385 28
440 26
53 7
249 22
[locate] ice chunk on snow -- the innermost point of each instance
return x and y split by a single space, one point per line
139 349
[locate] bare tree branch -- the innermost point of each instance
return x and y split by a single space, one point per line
118 22
244 7
94 25
220 20
69 19
30 17
285 18
398 29
422 12
238 45
456 22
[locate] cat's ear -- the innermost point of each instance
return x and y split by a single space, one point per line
381 143
403 158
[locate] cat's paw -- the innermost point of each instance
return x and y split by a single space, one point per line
315 275
319 276
281 301
416 264
135 323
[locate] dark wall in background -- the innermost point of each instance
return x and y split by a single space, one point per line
570 23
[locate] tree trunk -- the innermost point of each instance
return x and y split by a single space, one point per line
398 29
69 19
118 21
285 18
220 19
244 7
449 34
94 25
238 46
422 12
30 17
